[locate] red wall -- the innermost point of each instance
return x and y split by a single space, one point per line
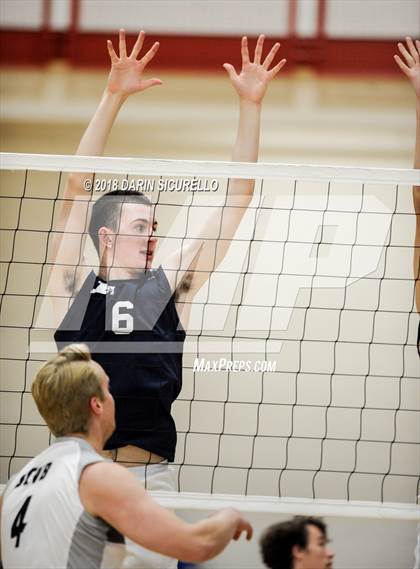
88 49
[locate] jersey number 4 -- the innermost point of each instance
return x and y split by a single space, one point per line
122 322
19 523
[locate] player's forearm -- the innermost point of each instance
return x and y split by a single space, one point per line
417 147
248 137
246 146
416 189
95 137
416 202
213 534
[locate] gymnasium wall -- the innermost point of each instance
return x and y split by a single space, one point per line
341 100
329 35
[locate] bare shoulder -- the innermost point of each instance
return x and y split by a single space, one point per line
66 281
180 266
63 285
104 484
107 490
103 473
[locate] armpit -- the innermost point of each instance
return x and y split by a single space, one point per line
185 285
70 281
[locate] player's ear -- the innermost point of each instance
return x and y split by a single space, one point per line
95 405
106 237
297 552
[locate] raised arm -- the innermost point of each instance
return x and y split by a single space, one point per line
112 493
126 77
409 63
250 85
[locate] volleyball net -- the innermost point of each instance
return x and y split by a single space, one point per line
300 367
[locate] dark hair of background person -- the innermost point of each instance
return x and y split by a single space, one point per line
276 543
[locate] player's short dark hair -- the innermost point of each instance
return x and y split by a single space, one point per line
106 211
277 541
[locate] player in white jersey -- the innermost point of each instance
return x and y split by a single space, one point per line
45 524
70 508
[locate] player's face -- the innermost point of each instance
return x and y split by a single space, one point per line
317 554
108 404
135 242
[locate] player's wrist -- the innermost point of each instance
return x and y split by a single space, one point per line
232 515
114 96
249 104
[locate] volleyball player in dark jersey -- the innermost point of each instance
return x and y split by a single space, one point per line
131 316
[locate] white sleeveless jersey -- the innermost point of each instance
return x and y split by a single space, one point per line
43 522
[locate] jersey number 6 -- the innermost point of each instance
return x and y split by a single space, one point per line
122 323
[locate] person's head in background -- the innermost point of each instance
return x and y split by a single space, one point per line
299 543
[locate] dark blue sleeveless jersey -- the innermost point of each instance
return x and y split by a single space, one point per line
133 331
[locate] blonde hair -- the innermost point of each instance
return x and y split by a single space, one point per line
63 388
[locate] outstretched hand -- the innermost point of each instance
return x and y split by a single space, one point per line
252 82
126 75
410 62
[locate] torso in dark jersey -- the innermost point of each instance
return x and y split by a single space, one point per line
133 331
